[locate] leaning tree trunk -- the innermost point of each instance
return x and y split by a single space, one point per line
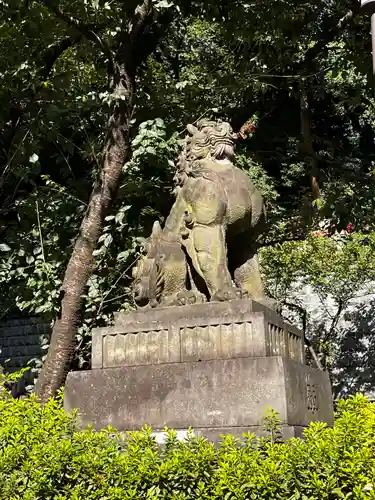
117 152
147 26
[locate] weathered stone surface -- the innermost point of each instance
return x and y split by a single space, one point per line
212 434
213 367
215 434
214 394
208 312
222 330
21 340
207 249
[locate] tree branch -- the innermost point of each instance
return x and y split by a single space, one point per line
49 58
272 243
145 45
143 16
146 28
54 51
354 11
303 315
18 109
87 30
335 320
328 35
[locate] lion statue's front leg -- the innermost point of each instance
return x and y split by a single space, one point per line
204 236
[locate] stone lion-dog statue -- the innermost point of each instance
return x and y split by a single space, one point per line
207 249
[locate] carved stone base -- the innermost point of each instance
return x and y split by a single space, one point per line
215 330
216 394
213 367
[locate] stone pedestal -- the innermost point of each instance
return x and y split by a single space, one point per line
214 367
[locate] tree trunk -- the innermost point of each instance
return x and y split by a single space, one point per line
307 143
117 152
146 27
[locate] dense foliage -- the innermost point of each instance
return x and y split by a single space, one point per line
45 456
327 287
300 71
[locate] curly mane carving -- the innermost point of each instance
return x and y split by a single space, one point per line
210 139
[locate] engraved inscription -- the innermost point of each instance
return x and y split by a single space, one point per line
311 395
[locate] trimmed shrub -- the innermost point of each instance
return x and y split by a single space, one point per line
44 456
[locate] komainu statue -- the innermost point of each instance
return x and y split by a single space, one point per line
207 249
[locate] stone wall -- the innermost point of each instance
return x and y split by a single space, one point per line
21 342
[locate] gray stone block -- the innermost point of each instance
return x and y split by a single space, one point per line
215 330
216 434
213 394
212 434
213 367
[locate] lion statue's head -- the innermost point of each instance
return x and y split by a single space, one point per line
210 139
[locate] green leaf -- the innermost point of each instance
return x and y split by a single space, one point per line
33 158
107 240
151 150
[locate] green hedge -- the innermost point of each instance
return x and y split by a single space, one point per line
44 456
